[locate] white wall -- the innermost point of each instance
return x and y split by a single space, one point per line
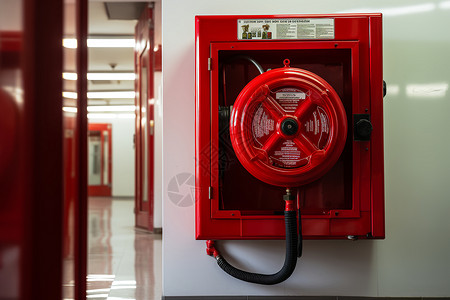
123 155
158 185
414 259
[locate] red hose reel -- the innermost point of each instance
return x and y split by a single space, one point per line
288 126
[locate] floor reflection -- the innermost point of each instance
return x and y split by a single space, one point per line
123 263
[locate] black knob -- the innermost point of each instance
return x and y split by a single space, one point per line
363 129
289 126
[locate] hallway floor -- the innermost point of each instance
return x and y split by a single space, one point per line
123 262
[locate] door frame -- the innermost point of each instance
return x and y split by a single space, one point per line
102 189
144 53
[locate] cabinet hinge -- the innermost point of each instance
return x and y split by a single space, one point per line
210 192
209 63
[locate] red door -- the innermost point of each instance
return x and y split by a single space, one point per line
144 67
99 160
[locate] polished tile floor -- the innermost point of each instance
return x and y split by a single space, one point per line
123 262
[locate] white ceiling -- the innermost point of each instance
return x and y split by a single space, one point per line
100 25
100 59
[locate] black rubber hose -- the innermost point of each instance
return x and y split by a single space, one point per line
248 58
300 234
290 261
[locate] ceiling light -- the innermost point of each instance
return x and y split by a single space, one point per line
111 76
70 109
101 43
70 76
70 95
110 116
116 108
102 95
111 95
110 43
70 43
101 76
100 277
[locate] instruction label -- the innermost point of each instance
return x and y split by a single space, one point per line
288 156
289 98
262 124
285 29
316 128
287 152
290 95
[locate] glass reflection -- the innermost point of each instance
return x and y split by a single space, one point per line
11 100
402 10
444 5
428 90
123 263
70 153
144 97
392 89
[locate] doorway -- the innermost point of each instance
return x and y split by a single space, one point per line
99 160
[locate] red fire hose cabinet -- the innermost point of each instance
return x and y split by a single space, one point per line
289 101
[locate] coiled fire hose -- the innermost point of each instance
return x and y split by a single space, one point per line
293 250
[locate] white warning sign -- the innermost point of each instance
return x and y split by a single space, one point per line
285 29
290 95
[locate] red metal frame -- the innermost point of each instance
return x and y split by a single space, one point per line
35 208
82 123
42 150
70 155
75 156
11 223
144 55
158 58
361 34
102 189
